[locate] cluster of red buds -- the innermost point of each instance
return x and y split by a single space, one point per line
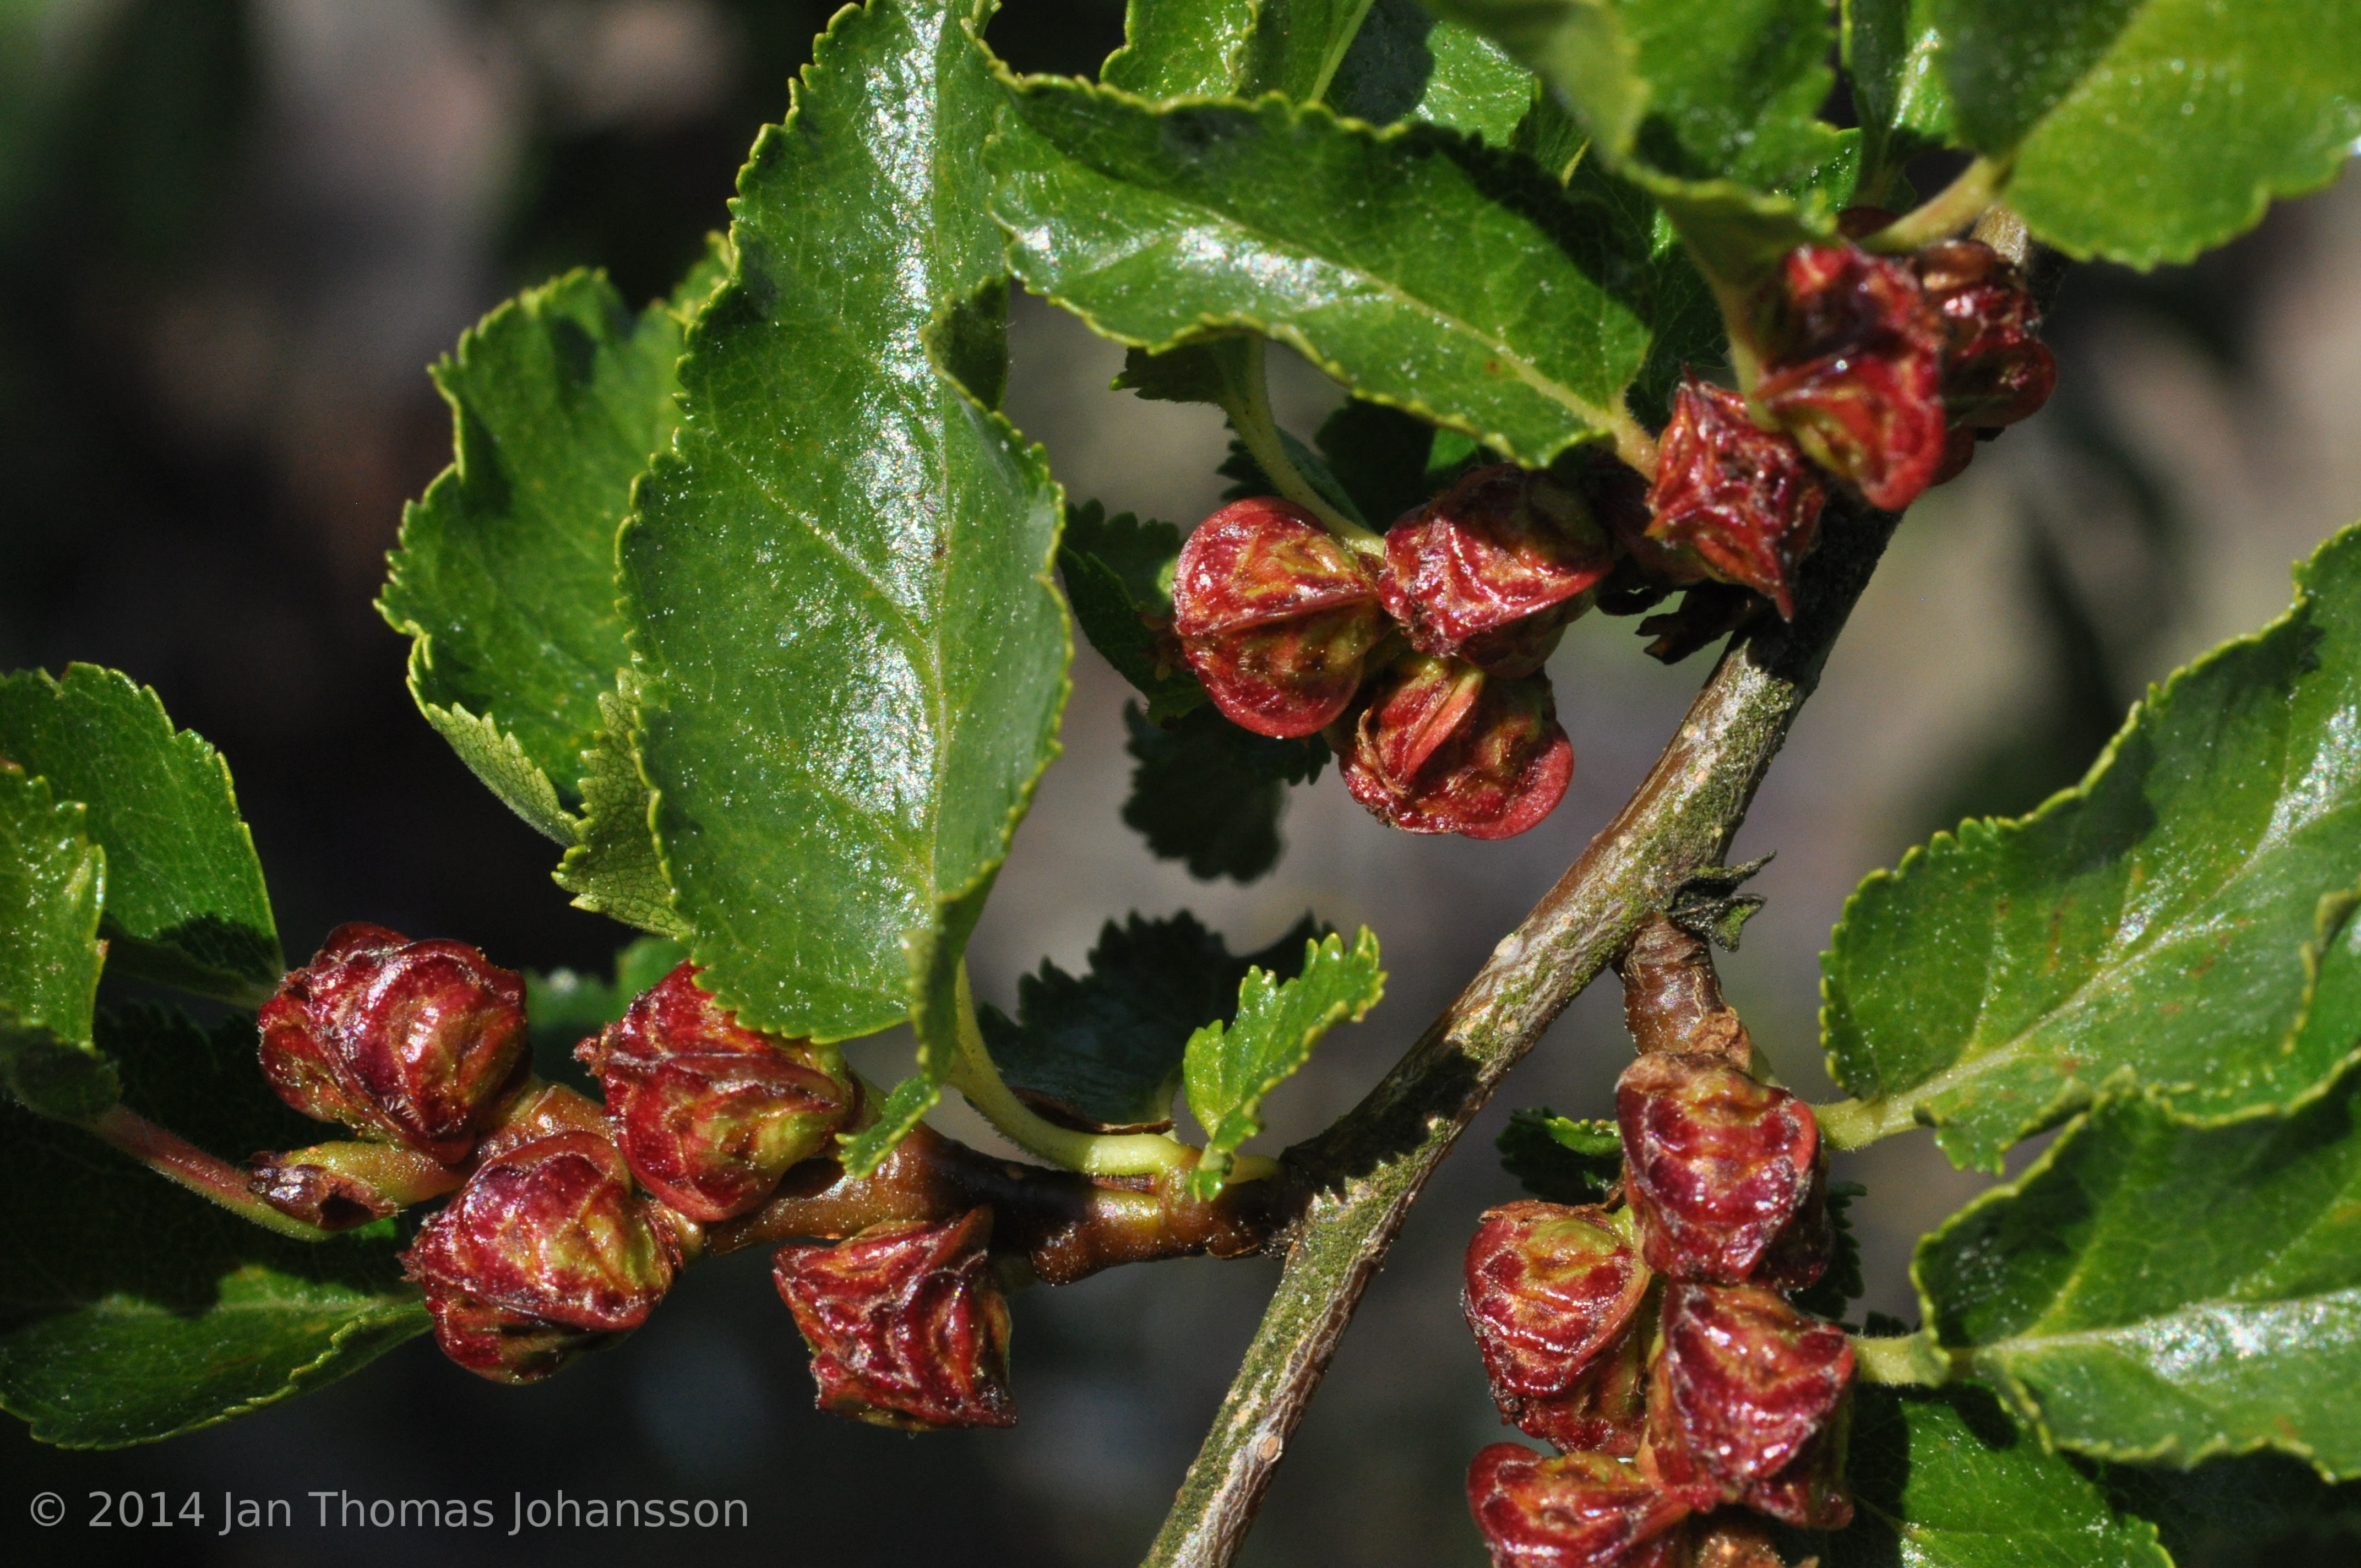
1423 666
1421 663
1650 1342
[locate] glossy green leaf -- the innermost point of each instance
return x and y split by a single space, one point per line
185 901
613 868
52 880
1945 1479
1559 1157
1406 64
2151 922
506 575
2161 1290
1107 1047
1165 226
2254 1510
1181 48
135 1309
1118 570
566 1006
1211 794
1891 52
2149 130
1711 105
1230 1069
842 743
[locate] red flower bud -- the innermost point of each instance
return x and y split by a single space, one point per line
1853 370
1274 616
548 1234
1582 1510
907 1324
1552 1295
1443 747
1746 1388
1491 570
413 1041
505 1346
1715 1164
1741 501
339 1186
708 1115
1995 371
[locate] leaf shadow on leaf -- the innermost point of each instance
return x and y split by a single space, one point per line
2256 1511
1386 69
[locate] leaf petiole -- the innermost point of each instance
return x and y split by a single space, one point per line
1857 1124
209 1177
1913 1360
1946 213
1249 406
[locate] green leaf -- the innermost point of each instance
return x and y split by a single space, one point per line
1833 1294
1211 794
901 1110
1107 1047
1711 105
1404 64
506 575
566 1006
837 580
1560 1158
1235 48
135 1309
185 902
2161 1290
1891 52
2254 1510
2151 922
52 882
1164 226
1381 457
1945 1479
2149 130
1118 570
1229 1070
614 869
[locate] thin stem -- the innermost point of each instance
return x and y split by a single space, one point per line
1092 1154
1341 42
1945 213
1913 1359
1249 406
1363 1174
1857 1124
208 1176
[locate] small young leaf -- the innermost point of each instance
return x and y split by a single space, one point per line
185 901
839 579
2153 920
135 1310
1891 52
1945 1479
1106 1048
2149 130
1211 794
1119 570
1229 1070
2158 1290
910 1100
52 880
614 869
1559 1158
506 575
1162 227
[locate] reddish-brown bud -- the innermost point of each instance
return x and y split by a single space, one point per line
710 1116
1995 371
907 1325
1274 616
1491 570
417 1042
1715 1164
1440 747
1744 1402
1553 1294
1581 1510
339 1186
547 1233
1743 501
505 1346
1853 370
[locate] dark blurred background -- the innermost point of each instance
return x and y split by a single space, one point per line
233 233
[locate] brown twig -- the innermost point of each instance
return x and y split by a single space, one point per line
1362 1175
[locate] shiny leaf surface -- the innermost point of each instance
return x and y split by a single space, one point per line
51 882
841 746
2154 921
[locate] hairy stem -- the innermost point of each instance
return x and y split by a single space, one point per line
209 1177
1909 1359
1362 1175
1249 406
